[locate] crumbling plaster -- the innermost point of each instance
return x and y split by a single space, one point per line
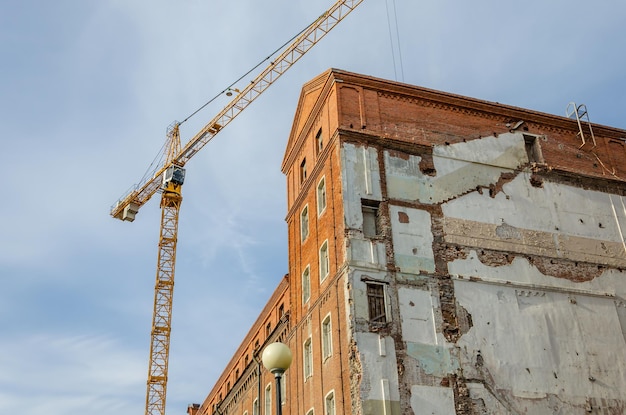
525 340
555 220
459 167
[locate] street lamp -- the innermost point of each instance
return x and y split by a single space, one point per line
277 358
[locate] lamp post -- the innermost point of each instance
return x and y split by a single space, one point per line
277 358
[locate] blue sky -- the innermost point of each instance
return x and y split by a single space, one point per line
87 91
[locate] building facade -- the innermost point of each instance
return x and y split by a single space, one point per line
447 255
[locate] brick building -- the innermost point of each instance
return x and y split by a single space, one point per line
446 256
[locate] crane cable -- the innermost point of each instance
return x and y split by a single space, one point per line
393 54
229 87
157 162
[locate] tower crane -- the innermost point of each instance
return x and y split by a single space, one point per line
168 179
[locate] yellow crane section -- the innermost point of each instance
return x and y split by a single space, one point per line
128 205
168 179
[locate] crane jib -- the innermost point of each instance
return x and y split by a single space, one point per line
168 180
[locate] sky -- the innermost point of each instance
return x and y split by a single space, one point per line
87 90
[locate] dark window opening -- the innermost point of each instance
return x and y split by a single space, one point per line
303 171
533 150
371 222
319 140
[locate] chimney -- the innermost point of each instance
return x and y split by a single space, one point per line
192 408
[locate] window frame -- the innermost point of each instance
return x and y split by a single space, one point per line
304 223
306 288
370 213
374 300
303 173
283 389
324 261
307 355
330 397
319 141
268 399
321 185
327 337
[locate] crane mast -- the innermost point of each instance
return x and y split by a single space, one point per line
171 198
168 179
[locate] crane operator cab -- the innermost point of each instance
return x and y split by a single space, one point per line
173 178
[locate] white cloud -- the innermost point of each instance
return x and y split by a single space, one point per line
57 373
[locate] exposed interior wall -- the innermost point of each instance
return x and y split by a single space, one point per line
506 289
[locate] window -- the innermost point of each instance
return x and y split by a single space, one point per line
304 223
330 403
327 340
268 399
533 150
255 407
310 412
245 413
303 171
306 285
308 359
283 389
324 261
371 227
376 303
319 140
321 196
281 311
268 329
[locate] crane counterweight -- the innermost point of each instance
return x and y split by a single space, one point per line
129 212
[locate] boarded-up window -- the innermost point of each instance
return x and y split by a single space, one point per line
376 303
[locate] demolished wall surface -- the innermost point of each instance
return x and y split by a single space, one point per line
497 242
502 265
